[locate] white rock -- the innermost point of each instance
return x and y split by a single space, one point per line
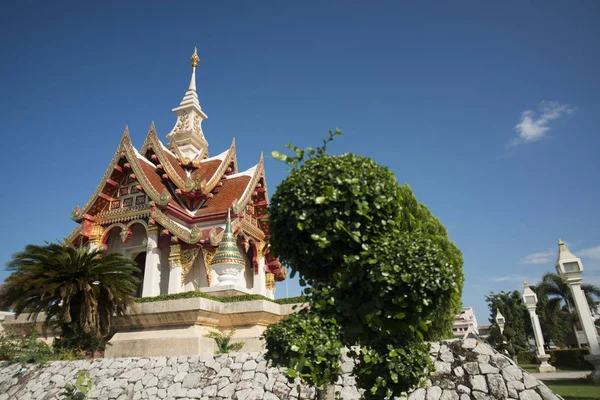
497 386
486 368
179 377
256 394
463 389
449 395
529 395
249 365
547 393
478 383
512 373
418 394
442 368
485 349
434 393
350 393
529 381
227 391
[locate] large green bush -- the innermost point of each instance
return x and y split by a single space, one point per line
394 288
311 347
416 216
330 210
570 358
379 266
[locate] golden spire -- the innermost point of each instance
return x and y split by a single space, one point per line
195 59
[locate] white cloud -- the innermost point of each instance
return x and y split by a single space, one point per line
534 126
511 278
543 257
590 252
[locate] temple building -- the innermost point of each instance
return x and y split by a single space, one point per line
192 221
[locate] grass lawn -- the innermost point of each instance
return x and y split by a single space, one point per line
576 389
534 368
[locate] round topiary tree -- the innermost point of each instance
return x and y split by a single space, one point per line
329 210
416 216
377 270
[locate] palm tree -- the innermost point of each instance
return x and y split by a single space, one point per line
554 288
552 285
73 286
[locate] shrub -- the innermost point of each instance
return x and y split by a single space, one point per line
28 349
570 358
224 344
78 390
220 299
327 211
527 357
78 341
380 273
311 349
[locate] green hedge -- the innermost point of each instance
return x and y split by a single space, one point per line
570 358
527 357
224 299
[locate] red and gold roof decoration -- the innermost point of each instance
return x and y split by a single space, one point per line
183 192
167 160
182 213
124 160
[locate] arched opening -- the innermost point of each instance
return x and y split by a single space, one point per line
140 259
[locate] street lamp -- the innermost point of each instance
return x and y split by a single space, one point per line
530 300
500 321
569 268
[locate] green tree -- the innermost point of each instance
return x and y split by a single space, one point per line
377 271
78 289
553 286
518 324
555 289
555 321
416 216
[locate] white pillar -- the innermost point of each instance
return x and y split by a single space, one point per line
175 269
259 278
583 312
539 341
151 284
537 332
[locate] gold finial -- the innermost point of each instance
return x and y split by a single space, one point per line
560 242
525 284
195 59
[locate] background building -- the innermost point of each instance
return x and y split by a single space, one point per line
465 322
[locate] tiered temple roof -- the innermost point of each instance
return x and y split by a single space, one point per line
179 189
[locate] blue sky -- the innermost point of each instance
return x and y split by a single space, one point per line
489 111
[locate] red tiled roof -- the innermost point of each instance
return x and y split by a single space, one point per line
206 169
175 164
153 177
232 189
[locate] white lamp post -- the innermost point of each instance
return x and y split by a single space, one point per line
500 321
530 300
569 268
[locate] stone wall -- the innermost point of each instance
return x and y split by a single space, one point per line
466 369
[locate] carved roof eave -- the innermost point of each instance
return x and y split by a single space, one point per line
253 231
74 235
259 172
216 178
152 140
194 235
125 146
191 236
